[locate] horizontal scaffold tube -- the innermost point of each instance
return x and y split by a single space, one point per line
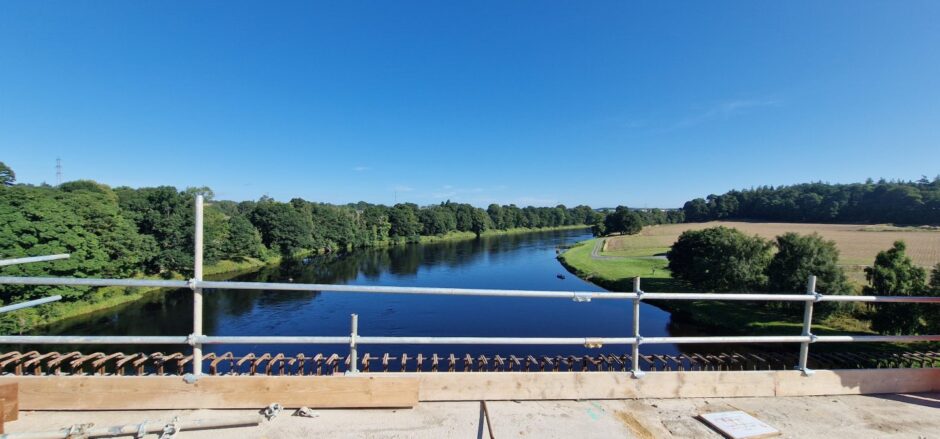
413 290
727 339
730 296
92 339
366 340
416 340
876 338
90 282
31 259
577 295
29 304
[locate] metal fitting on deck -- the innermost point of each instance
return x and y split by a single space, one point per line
593 343
582 297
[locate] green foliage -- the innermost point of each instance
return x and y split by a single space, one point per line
894 274
126 232
932 312
800 256
244 240
623 221
797 258
901 202
7 176
403 220
284 227
720 259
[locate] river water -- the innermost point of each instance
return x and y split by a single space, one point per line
520 261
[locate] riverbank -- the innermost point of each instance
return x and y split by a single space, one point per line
102 299
616 274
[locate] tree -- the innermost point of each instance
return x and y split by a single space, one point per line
932 313
479 222
720 259
623 221
244 240
797 258
404 221
894 274
7 176
696 210
282 226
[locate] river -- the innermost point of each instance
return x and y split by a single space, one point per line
517 261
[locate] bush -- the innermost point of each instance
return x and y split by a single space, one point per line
797 258
894 274
720 259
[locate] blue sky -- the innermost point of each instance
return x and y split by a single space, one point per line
604 103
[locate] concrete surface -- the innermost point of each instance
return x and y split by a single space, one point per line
856 417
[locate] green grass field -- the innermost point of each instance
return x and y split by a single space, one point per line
735 317
653 272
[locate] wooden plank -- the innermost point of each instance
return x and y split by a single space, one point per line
220 392
857 382
475 386
9 393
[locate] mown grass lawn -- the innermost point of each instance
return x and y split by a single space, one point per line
731 317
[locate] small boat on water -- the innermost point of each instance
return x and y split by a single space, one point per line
560 276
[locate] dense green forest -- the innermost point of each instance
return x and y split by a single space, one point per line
123 231
899 202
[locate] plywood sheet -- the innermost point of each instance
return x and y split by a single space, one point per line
111 393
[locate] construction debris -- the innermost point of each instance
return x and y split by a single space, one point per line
306 412
166 431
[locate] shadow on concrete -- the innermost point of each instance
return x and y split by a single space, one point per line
931 400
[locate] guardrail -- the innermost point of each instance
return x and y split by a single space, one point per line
197 339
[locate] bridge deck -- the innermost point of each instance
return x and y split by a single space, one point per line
883 416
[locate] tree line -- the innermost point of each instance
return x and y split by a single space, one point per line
123 231
899 202
721 259
625 221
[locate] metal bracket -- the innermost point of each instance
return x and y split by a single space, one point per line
141 431
639 339
306 413
191 283
190 378
806 371
78 431
813 338
170 430
637 374
271 411
593 343
639 294
817 297
191 339
582 297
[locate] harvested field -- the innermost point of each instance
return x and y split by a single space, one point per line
858 244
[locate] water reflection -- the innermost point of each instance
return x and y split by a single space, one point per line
522 261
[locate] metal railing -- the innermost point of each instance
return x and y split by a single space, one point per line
197 339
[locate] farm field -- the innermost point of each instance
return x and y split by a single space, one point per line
858 244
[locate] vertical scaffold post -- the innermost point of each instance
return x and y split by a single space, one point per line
807 326
197 291
637 373
353 353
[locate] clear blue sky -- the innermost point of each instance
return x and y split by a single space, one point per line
603 103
